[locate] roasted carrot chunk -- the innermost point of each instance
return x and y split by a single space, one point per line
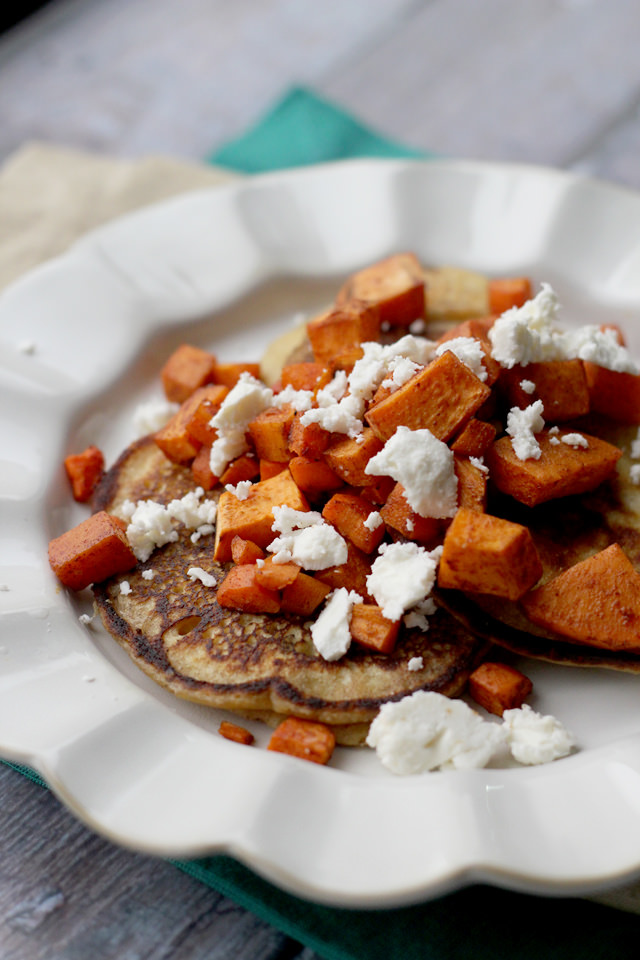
314 476
233 731
486 554
304 595
371 630
562 470
95 549
498 687
186 369
614 394
395 285
84 470
596 602
228 374
507 292
347 512
306 739
341 329
245 551
398 515
475 439
240 590
560 384
270 433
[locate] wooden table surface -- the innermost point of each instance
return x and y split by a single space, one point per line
555 82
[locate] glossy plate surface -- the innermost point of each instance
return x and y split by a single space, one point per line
82 340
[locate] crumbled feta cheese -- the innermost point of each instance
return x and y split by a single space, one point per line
401 576
344 416
151 416
243 403
428 731
521 427
86 619
417 617
373 521
554 429
415 664
534 738
479 464
635 446
417 326
527 385
148 574
300 400
334 390
306 539
330 631
424 466
197 573
634 473
240 490
575 440
152 524
401 369
469 351
125 587
554 441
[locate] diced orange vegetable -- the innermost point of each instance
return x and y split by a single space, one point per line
310 440
371 630
475 439
304 595
276 576
252 518
186 369
244 467
472 485
352 575
347 512
614 394
97 548
395 285
475 327
379 491
175 441
245 551
338 330
398 515
233 731
596 602
84 471
306 739
270 433
348 458
561 470
498 687
269 468
308 375
507 292
560 384
240 590
204 403
201 469
441 398
229 373
346 359
314 476
486 554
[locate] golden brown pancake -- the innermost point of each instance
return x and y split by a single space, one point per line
258 665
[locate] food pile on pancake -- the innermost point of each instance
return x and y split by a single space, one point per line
340 540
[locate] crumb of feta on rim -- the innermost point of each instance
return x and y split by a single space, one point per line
534 738
428 731
402 575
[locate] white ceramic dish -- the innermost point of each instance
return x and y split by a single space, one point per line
82 340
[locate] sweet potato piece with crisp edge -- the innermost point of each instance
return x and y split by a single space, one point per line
228 374
92 551
269 468
240 590
595 602
507 292
348 458
276 576
472 485
245 551
561 471
175 441
441 398
307 375
498 687
233 731
84 470
308 441
486 554
379 491
201 469
476 327
270 433
475 439
347 512
614 394
340 329
346 359
314 477
305 739
252 518
352 575
398 515
203 404
186 369
395 285
371 630
560 384
304 595
244 467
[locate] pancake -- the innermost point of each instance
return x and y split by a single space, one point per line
256 665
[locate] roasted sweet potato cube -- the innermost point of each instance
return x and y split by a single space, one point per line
269 468
307 375
228 374
472 484
352 575
90 552
487 554
304 595
474 439
240 590
398 515
186 369
498 687
395 285
84 470
305 739
252 518
561 470
174 439
314 477
233 731
310 440
201 469
245 551
560 384
475 327
346 359
371 630
507 292
347 512
276 576
595 602
203 404
348 458
340 329
270 433
379 491
441 398
244 467
614 394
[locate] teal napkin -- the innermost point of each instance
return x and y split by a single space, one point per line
480 921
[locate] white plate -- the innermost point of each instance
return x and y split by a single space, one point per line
229 268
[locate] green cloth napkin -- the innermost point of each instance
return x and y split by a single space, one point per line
480 921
